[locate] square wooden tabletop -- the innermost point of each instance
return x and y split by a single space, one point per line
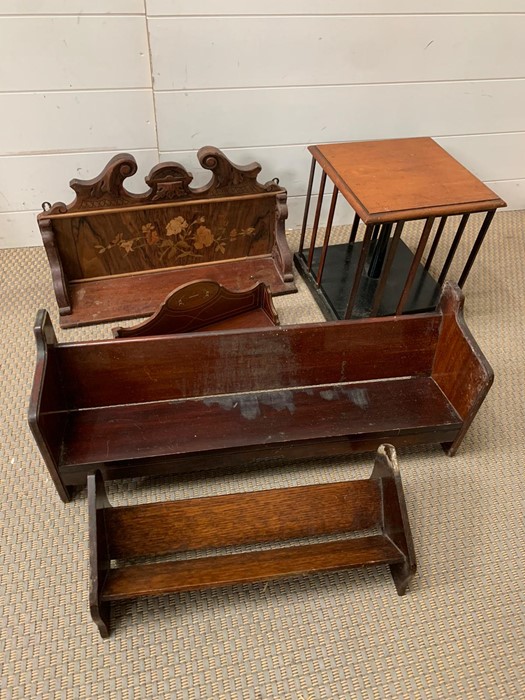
401 179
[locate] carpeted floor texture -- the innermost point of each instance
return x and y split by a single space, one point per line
458 633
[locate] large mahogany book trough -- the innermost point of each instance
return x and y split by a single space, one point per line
163 404
126 534
115 255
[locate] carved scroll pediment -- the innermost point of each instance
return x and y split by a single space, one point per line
105 190
167 182
231 179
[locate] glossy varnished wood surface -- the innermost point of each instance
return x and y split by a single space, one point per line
240 518
166 404
460 368
253 457
46 417
206 304
137 370
368 409
87 248
400 179
209 572
136 295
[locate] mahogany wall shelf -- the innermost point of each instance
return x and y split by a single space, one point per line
163 404
388 183
207 305
124 534
117 255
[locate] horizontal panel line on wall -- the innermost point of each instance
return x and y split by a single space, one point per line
333 85
307 52
73 121
36 154
314 143
73 14
70 90
503 179
489 157
27 181
271 117
340 14
22 211
79 53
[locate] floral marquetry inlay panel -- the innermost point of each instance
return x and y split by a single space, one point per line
100 244
147 239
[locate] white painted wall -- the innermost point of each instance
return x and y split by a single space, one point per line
81 80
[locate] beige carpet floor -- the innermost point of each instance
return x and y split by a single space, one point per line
458 633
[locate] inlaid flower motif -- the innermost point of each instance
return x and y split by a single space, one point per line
150 234
176 226
203 238
181 243
127 245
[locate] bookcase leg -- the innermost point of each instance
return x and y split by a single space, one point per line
99 560
66 493
395 523
452 447
402 575
100 612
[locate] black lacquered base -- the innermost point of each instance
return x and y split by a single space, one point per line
338 277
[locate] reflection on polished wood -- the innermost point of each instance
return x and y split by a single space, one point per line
239 398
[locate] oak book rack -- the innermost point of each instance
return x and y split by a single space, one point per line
163 404
116 255
128 534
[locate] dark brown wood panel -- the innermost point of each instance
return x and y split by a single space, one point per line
100 245
47 412
460 369
281 516
187 575
395 523
255 457
168 404
206 304
136 295
457 350
263 418
240 518
166 368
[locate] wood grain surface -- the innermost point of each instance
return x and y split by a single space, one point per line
401 179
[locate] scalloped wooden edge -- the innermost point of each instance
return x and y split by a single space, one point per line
168 182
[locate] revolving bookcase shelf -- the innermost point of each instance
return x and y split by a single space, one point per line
388 183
